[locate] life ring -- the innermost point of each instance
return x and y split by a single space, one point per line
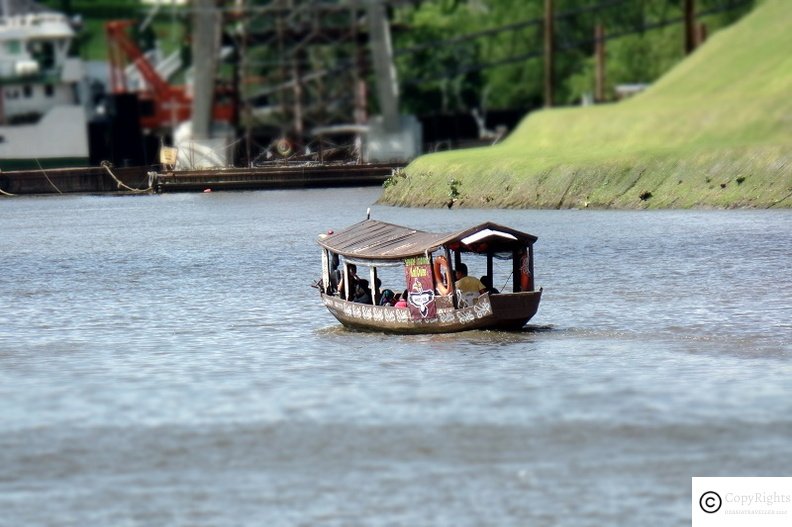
526 279
284 147
442 280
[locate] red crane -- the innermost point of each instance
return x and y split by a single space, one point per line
163 105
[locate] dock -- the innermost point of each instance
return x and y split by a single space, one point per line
275 177
74 180
107 179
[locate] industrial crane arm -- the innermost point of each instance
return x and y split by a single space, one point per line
118 40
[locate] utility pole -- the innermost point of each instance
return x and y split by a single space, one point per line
549 49
689 14
599 53
701 34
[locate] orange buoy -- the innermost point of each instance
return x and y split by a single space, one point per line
526 279
442 280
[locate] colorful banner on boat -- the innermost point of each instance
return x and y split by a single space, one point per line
420 288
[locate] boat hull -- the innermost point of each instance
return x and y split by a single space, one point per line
503 311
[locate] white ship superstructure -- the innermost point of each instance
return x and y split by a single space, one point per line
42 114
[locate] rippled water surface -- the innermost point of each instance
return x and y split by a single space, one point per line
164 361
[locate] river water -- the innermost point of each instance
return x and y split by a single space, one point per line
164 361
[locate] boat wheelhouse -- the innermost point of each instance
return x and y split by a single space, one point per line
428 262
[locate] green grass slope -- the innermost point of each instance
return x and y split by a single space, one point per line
716 131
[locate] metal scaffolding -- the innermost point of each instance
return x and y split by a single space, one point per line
304 66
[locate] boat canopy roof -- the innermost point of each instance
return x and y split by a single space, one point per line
377 240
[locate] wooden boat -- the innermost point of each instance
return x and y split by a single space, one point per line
434 305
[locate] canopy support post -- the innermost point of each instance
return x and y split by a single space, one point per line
451 275
373 284
346 280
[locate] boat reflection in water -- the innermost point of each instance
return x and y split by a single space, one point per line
436 303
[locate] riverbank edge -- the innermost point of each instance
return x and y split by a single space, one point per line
738 177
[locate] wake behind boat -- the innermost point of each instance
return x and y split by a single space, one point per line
438 297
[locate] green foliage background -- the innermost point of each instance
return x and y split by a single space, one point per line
640 57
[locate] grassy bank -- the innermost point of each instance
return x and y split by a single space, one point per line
715 131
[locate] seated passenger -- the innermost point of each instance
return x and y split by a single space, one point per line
377 291
335 275
467 284
488 285
402 301
468 288
387 298
335 281
362 292
353 280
